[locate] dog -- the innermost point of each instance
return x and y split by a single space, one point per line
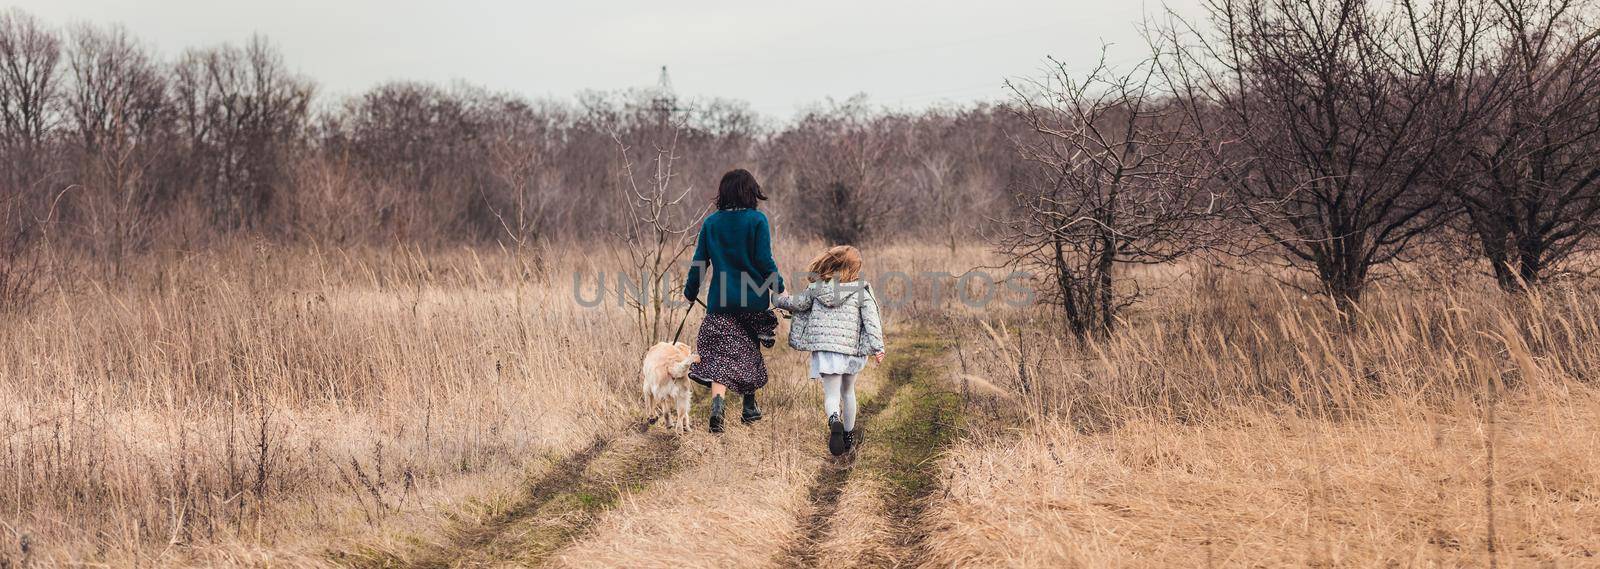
665 381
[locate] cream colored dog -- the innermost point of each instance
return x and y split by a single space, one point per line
665 378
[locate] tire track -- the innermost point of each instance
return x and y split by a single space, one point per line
921 418
570 513
830 481
566 474
557 508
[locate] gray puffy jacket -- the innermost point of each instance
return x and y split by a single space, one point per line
834 317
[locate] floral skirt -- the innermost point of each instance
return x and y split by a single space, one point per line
729 353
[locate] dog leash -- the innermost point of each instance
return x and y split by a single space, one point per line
685 320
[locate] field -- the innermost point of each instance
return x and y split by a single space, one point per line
266 405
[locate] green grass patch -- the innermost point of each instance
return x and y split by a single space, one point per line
922 416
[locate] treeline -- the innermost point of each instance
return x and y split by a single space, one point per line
1339 138
109 148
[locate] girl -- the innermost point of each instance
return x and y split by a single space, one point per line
836 319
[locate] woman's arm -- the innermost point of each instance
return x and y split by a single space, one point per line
763 255
691 283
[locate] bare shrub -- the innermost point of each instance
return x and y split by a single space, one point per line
23 259
330 201
956 167
522 165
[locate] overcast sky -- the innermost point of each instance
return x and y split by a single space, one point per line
778 56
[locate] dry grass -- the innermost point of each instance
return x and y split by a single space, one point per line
736 501
733 506
267 406
1233 423
860 526
1403 486
244 406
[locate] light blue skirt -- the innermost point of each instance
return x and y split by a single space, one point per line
835 363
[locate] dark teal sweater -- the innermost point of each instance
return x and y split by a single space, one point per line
737 243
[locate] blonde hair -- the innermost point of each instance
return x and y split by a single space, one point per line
841 262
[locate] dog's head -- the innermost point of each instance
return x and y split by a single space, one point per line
686 358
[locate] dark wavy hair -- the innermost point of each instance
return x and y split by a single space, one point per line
739 190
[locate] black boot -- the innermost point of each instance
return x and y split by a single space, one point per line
716 414
849 441
751 412
836 435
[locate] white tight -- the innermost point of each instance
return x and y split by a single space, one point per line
837 387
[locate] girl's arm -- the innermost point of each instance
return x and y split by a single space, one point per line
872 324
799 302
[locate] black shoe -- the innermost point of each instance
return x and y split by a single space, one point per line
716 414
837 441
849 441
751 412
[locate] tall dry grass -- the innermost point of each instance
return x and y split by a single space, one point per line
266 404
1234 421
1210 340
1405 485
261 403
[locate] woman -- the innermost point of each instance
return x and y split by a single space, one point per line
737 243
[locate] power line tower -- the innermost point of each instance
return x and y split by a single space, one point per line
664 102
664 83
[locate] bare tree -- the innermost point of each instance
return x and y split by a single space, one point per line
30 57
118 107
1338 111
936 176
223 140
432 146
939 161
520 158
1120 179
243 113
839 162
656 238
1529 180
